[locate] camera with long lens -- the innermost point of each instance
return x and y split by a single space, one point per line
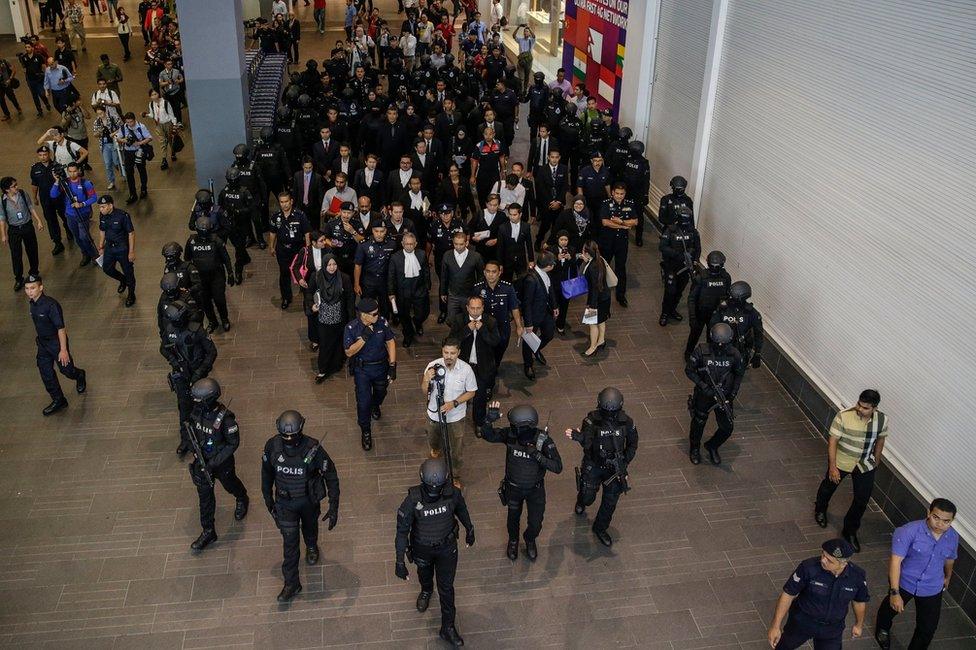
58 170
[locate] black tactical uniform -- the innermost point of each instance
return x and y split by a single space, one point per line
717 369
636 174
287 137
667 213
618 150
271 161
191 354
609 440
680 248
537 97
250 178
568 130
745 321
240 206
171 292
529 453
708 289
427 524
302 474
217 434
209 255
186 273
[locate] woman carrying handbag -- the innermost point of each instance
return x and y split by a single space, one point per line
599 282
566 270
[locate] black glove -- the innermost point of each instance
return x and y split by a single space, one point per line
269 504
756 360
469 538
230 280
493 414
401 570
537 456
332 515
391 373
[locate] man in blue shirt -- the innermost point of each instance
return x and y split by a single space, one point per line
79 197
58 83
133 137
370 346
52 345
117 244
922 555
502 303
817 596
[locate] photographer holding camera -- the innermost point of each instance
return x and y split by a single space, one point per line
134 138
449 384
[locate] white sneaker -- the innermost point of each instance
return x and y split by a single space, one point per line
111 186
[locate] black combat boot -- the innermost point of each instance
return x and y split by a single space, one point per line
206 538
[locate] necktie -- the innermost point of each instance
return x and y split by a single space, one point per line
544 152
305 193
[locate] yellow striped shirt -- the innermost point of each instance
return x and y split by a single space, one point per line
856 439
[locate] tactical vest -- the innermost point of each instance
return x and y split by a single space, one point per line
713 289
611 437
204 254
433 522
521 469
291 471
208 428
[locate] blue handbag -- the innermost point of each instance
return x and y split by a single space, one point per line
573 287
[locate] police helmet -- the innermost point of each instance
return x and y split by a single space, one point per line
169 283
204 197
555 93
610 399
232 175
686 217
172 251
205 390
449 59
293 93
242 151
311 64
626 133
425 61
304 100
284 113
715 260
176 311
720 334
433 474
679 183
740 291
267 133
290 423
636 148
523 416
202 225
572 109
348 93
295 77
539 77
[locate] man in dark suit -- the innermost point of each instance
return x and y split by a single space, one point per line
479 337
391 140
397 225
368 181
541 146
538 310
398 180
515 246
425 166
435 148
408 286
460 269
447 123
309 188
551 186
344 162
490 120
490 220
324 151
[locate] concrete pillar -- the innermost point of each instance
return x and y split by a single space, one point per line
216 82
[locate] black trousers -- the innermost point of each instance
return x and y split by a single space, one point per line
53 211
213 292
124 39
486 387
331 353
20 239
697 322
372 383
674 285
615 250
505 337
6 92
701 406
130 164
593 476
238 238
928 609
184 405
863 486
294 516
440 562
285 258
800 628
442 290
226 474
535 499
377 291
545 330
413 311
119 256
641 203
547 218
47 359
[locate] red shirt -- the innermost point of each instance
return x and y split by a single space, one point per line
318 4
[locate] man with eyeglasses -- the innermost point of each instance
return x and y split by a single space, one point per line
923 553
370 346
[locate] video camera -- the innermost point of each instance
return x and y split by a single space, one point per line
439 373
254 23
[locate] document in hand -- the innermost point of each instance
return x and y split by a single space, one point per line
532 340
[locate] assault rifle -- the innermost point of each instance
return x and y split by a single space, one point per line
720 401
198 454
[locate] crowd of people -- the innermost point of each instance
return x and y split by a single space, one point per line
389 164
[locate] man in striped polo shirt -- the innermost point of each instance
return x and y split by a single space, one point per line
857 436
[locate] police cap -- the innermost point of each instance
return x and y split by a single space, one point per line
366 305
839 549
445 208
105 199
347 205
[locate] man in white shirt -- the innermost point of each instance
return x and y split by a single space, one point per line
63 150
336 196
108 98
511 191
450 382
408 43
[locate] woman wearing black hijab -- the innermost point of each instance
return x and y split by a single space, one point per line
576 221
334 304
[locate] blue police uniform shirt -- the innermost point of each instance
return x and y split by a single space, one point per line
593 182
375 348
47 316
823 597
625 210
290 230
499 302
374 257
116 225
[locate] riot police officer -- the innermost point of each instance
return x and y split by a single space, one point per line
370 346
427 524
171 291
209 255
609 440
636 174
618 151
250 177
537 97
270 159
302 474
287 137
667 212
191 354
567 128
617 216
745 321
680 247
530 452
239 205
186 273
204 206
708 289
215 430
717 369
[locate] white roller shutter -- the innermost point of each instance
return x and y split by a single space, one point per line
679 69
840 182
